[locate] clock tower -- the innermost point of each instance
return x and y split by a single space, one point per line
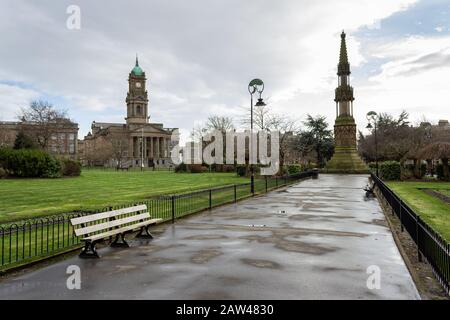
137 97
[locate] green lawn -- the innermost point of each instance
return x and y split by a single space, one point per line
445 192
431 209
23 243
94 189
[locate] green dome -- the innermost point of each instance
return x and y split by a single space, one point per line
137 71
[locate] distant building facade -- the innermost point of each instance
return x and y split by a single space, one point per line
135 143
444 124
62 136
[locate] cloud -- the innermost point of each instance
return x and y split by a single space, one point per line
414 78
198 57
12 98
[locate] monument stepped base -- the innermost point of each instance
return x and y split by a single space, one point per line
346 160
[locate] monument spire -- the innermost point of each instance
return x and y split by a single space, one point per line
343 66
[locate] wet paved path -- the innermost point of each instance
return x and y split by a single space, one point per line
313 240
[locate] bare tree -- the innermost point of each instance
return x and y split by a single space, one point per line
286 127
260 117
119 146
219 123
396 138
42 120
98 151
264 119
214 122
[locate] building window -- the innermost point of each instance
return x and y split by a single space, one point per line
72 136
138 109
72 148
62 136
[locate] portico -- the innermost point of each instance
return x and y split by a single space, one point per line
151 148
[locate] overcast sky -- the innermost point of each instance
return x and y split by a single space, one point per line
200 55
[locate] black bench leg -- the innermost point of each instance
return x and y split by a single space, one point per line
144 233
119 241
89 251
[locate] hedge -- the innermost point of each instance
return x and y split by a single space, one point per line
294 168
71 168
390 170
29 163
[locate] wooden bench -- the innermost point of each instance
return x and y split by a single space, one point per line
97 227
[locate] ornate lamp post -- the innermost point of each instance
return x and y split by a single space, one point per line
255 86
372 117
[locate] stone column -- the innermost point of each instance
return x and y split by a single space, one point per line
144 148
157 154
130 148
167 148
151 147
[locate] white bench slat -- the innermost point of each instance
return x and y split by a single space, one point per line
121 230
111 224
107 214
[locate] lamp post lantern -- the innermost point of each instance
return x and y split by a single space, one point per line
255 86
372 117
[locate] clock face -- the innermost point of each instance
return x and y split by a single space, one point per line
138 84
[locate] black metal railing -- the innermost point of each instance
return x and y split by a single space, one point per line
29 240
430 244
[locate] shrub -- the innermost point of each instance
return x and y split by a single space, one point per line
29 163
423 170
390 170
71 168
222 167
407 172
23 141
311 165
5 154
52 168
197 168
3 173
372 166
241 170
294 168
181 167
440 171
228 168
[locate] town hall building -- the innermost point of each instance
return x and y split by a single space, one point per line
135 143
